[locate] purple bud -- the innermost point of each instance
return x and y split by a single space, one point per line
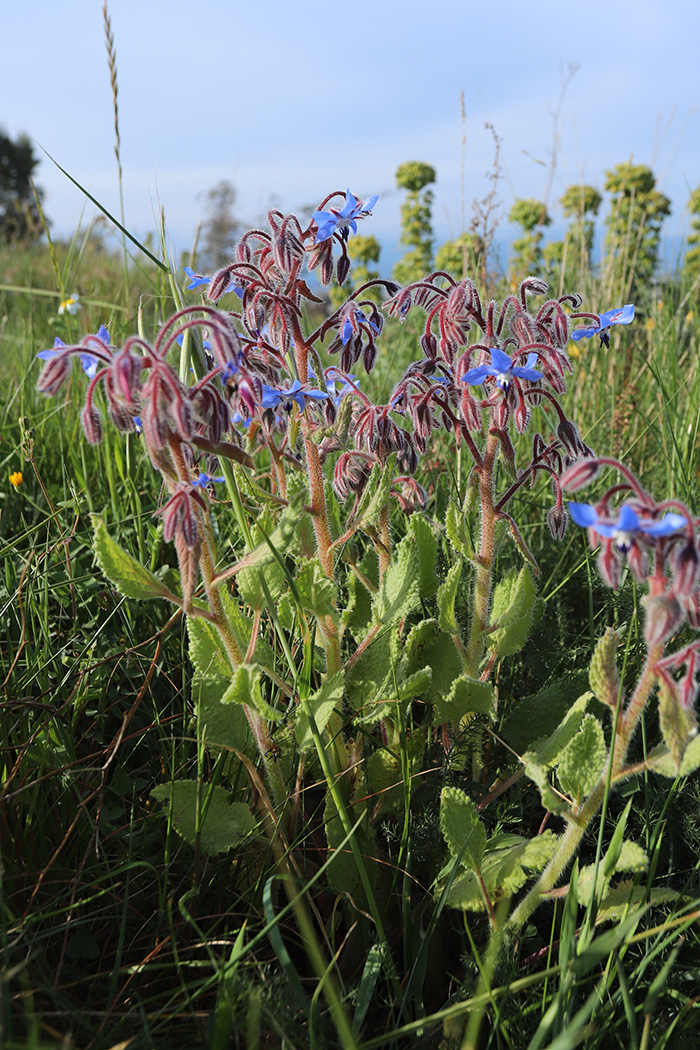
557 520
342 268
53 374
610 561
428 344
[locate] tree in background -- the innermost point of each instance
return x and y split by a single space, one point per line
637 212
692 255
221 229
532 216
416 221
572 256
19 215
462 257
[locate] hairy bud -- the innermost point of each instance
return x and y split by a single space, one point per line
579 474
92 424
685 570
663 616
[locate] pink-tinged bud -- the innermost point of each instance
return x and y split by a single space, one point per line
225 346
561 328
579 474
428 344
533 286
568 434
610 561
220 283
120 416
522 415
685 570
92 425
342 268
369 357
180 410
454 304
126 369
663 616
691 604
471 411
53 375
638 561
522 329
250 393
557 520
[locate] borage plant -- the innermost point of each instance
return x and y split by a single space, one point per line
343 619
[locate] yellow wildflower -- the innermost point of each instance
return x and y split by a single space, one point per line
16 478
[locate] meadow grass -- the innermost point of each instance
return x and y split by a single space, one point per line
115 932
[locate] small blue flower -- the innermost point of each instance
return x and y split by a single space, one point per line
203 480
272 398
348 326
90 364
623 315
627 526
343 221
195 278
503 369
338 392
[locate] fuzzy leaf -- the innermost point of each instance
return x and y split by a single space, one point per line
222 825
426 544
322 703
512 612
464 833
376 494
316 591
130 578
399 592
678 724
582 760
661 760
244 688
447 595
504 870
458 531
467 696
539 774
603 676
549 750
223 725
207 650
533 719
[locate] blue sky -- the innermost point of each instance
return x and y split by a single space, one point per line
292 100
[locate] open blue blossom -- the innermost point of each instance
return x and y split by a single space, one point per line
203 480
622 315
503 369
338 390
272 398
90 364
197 279
348 327
342 221
628 525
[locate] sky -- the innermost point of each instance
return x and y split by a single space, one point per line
289 101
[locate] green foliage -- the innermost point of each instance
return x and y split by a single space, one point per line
129 577
637 212
20 219
205 814
532 216
512 612
416 221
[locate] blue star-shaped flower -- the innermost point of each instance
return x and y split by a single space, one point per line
203 480
195 278
627 526
503 369
344 220
622 315
90 364
272 398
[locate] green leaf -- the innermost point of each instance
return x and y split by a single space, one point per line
661 761
464 833
222 825
467 696
223 725
549 750
426 544
376 494
399 593
457 530
128 575
207 650
627 897
539 774
678 724
316 591
504 870
249 580
447 595
512 612
322 704
533 719
582 760
244 688
603 676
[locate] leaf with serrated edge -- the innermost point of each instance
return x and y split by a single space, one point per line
222 825
464 833
399 593
130 578
322 704
582 760
548 751
661 761
426 544
512 612
467 696
446 597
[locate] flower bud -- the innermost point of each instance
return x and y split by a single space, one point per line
557 520
92 425
53 374
663 616
342 268
579 474
685 569
610 561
